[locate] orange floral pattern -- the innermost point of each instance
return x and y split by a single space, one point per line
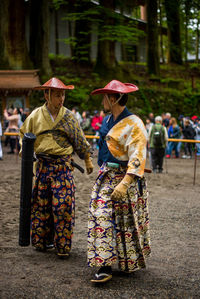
127 142
53 205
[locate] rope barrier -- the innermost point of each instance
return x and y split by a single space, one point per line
97 137
169 139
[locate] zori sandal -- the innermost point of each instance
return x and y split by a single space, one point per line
63 255
50 246
101 277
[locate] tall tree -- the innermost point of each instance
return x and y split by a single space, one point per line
13 47
160 5
198 38
39 35
79 14
83 33
187 5
172 9
106 60
153 63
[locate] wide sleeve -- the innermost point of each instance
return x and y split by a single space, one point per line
75 135
127 141
136 146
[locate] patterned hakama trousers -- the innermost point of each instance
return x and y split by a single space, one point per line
53 205
118 230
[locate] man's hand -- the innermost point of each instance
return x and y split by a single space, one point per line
88 164
121 189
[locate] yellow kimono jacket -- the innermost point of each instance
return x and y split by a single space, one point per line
127 141
59 137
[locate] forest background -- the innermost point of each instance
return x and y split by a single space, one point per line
168 81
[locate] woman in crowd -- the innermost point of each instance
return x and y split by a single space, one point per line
173 132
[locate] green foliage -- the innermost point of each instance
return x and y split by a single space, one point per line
119 29
121 33
171 93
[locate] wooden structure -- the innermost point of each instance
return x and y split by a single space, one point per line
16 87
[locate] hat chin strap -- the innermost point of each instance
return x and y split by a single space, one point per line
111 105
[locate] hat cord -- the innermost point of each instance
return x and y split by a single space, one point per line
111 106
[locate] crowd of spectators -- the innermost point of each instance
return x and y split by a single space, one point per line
184 128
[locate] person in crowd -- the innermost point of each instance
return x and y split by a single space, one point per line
58 135
194 120
118 213
151 118
166 119
1 151
188 133
96 125
13 127
25 114
86 122
77 114
197 136
181 120
173 132
5 126
96 121
148 126
158 140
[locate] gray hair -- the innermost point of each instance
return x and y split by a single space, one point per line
158 119
168 114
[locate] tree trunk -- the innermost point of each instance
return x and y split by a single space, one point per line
106 61
56 33
197 40
153 63
39 35
82 34
187 17
13 47
174 36
123 46
161 35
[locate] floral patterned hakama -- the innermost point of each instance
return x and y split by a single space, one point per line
118 231
53 205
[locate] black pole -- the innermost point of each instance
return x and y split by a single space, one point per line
26 188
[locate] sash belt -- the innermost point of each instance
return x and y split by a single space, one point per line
50 157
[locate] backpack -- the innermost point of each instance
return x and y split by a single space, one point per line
158 137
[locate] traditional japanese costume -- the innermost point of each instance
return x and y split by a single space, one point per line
119 230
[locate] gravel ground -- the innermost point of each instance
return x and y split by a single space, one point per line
173 270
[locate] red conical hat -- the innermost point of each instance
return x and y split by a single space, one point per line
54 83
116 86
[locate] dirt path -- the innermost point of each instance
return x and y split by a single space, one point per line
173 269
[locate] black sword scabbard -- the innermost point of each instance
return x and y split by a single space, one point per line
26 188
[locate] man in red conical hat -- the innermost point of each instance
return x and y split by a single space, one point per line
118 227
58 135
